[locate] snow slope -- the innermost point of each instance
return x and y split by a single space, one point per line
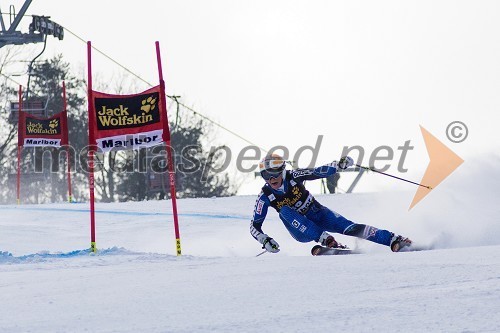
50 283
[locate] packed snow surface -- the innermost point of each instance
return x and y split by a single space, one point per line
135 283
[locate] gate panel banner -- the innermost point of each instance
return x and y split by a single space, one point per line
128 122
41 132
119 122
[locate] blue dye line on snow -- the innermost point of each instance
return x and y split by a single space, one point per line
9 258
117 212
8 255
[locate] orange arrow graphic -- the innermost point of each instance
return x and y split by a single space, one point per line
442 163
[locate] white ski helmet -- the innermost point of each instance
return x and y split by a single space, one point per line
272 166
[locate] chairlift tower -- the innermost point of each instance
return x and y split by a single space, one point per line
40 27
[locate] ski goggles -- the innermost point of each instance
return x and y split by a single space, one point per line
268 174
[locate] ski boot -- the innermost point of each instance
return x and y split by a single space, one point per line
327 240
399 243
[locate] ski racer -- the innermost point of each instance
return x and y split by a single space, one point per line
304 217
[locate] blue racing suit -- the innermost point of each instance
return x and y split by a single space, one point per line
304 217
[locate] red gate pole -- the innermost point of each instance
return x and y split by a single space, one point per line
19 147
19 175
68 158
91 147
166 138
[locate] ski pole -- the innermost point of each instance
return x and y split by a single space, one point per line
386 174
261 253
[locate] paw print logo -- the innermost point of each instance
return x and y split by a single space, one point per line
295 190
148 104
53 123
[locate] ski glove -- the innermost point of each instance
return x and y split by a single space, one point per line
269 244
345 162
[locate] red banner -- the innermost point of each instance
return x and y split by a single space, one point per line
118 122
39 132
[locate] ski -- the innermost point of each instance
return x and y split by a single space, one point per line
319 250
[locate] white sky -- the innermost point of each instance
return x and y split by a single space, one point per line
283 72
